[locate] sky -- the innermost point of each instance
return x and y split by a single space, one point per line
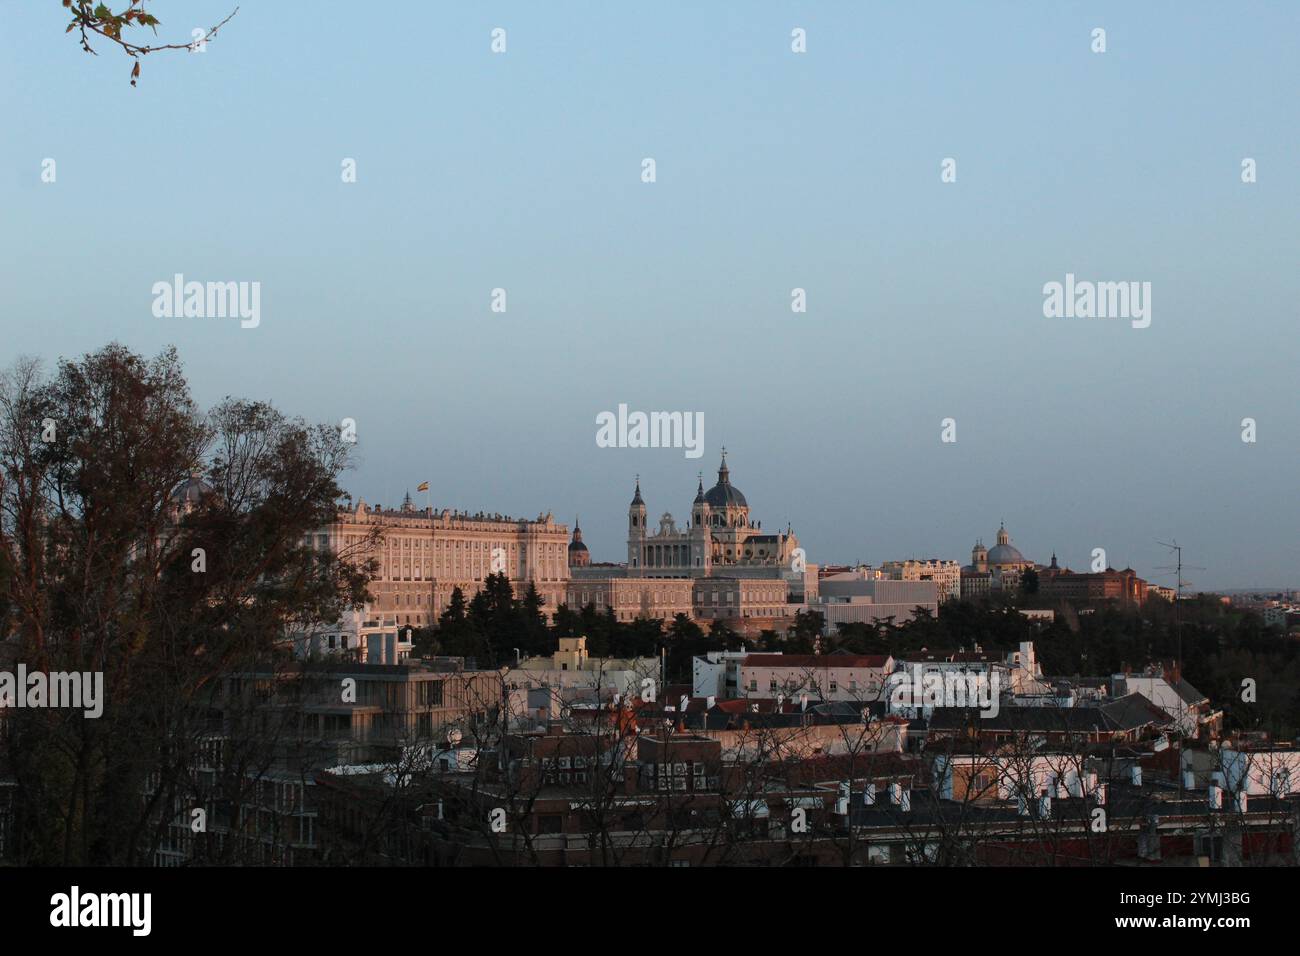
774 170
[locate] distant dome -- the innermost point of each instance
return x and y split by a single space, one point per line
578 556
190 491
724 493
1005 554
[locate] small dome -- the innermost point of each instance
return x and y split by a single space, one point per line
191 491
724 493
576 544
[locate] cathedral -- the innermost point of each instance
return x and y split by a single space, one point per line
721 565
998 568
720 538
1004 556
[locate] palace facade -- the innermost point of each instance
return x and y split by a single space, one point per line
424 555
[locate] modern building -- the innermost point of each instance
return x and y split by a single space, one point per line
853 598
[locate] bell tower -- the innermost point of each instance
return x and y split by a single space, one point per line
636 531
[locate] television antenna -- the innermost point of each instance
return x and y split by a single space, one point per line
1177 568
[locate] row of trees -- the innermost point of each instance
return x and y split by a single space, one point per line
495 629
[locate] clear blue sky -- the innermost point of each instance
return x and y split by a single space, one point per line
775 170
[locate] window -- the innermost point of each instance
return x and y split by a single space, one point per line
1210 845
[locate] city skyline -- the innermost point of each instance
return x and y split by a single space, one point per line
771 434
821 171
1066 556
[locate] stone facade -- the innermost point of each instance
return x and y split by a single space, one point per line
424 555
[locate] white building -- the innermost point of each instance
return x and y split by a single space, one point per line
850 597
822 677
1188 706
1261 772
717 674
361 634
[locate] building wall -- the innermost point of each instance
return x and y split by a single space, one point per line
722 598
825 678
424 555
945 574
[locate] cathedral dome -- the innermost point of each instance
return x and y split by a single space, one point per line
724 494
190 491
1005 554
